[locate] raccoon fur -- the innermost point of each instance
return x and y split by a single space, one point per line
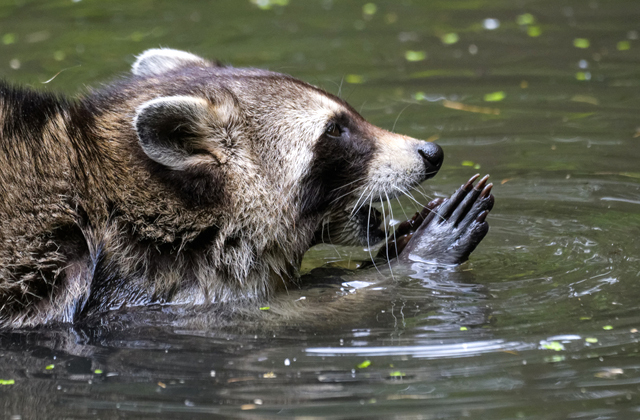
185 182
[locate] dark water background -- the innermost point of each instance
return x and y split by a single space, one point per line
540 324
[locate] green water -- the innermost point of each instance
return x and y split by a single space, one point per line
540 324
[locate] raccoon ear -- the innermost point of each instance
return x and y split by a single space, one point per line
179 131
157 61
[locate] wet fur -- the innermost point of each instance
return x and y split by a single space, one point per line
94 218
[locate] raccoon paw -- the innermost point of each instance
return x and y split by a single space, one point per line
446 231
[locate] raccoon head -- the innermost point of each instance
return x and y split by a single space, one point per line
302 157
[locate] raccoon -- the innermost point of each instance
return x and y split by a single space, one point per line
185 182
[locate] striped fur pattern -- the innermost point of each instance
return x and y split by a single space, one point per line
186 182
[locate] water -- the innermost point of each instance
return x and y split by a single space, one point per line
540 324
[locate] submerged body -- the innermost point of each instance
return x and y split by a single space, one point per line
185 183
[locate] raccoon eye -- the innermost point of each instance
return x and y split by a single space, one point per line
333 130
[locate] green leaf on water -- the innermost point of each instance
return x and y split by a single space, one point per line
607 327
8 38
525 19
582 75
265 308
623 45
450 38
463 328
7 381
397 374
467 163
369 9
415 55
534 31
591 340
495 96
49 367
581 43
553 345
268 4
98 371
364 364
354 79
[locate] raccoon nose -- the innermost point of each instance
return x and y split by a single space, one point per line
432 155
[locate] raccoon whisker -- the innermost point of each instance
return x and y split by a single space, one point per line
421 188
326 223
362 106
393 129
339 95
342 196
410 196
423 194
345 194
368 241
350 183
351 93
384 224
354 211
402 208
394 236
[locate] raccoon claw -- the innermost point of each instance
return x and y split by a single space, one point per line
445 231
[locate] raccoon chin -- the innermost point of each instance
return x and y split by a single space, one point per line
366 228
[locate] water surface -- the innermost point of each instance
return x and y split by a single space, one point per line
540 324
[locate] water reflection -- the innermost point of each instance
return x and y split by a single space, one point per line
541 323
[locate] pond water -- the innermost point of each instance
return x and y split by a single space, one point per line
542 323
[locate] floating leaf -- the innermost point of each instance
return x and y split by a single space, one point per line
418 96
97 371
534 31
8 38
265 308
7 381
525 19
607 327
463 328
354 79
552 345
415 55
364 364
591 340
369 9
268 4
623 45
494 97
583 75
467 163
581 43
450 38
49 367
397 374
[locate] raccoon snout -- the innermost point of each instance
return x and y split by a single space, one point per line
432 156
